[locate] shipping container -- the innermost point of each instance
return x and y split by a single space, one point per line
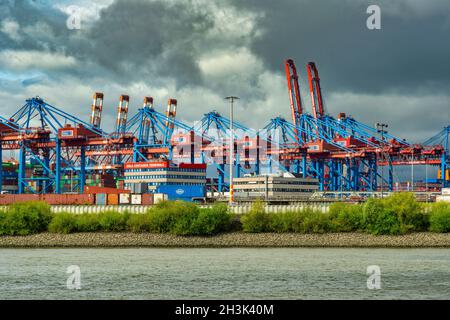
68 199
147 199
6 199
136 199
100 199
124 198
113 199
158 197
182 192
26 197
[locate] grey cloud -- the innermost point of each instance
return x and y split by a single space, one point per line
409 52
159 43
140 39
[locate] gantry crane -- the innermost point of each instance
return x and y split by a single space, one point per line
343 153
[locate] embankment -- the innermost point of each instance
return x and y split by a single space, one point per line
226 240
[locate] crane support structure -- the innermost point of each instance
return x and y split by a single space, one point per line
122 114
57 151
97 107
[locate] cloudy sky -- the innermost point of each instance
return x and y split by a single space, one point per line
200 51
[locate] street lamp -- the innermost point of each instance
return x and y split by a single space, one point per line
381 130
231 99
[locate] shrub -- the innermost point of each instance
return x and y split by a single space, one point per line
378 219
173 216
409 212
305 221
113 221
3 227
63 223
316 222
139 222
88 222
257 220
185 218
25 218
398 214
346 217
184 222
286 222
212 221
440 217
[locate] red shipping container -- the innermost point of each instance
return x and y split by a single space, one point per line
6 199
82 199
26 197
147 199
53 198
68 199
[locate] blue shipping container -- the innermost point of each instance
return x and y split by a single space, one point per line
182 192
100 199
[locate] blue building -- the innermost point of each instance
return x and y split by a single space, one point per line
184 181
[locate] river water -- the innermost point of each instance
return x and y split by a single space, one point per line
238 273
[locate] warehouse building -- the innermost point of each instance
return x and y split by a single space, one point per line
287 187
184 181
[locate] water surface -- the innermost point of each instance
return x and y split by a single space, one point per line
237 273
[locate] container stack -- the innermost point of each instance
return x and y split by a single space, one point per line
10 177
101 180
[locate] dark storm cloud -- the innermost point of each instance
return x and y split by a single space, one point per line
411 50
158 40
132 40
143 39
399 74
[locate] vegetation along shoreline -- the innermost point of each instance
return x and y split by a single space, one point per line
396 221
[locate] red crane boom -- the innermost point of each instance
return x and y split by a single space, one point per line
294 93
315 90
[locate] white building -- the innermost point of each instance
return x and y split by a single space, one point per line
289 188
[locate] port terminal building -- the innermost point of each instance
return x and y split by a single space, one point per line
185 181
275 187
